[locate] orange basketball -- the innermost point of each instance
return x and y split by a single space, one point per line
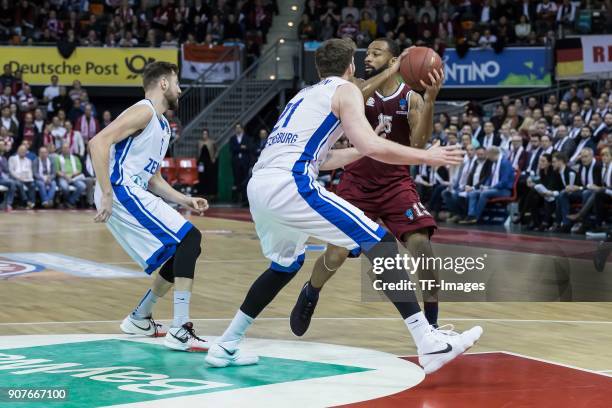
417 65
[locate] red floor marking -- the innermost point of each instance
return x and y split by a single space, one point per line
492 380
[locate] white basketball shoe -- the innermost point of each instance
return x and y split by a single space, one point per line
228 354
440 346
144 327
184 339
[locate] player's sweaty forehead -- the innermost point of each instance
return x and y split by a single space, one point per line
378 46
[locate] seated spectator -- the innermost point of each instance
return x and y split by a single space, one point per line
348 29
7 78
7 97
539 201
44 174
29 133
20 168
350 10
76 91
517 154
600 129
61 101
489 137
216 29
588 181
440 182
169 41
87 124
598 202
27 101
75 111
454 196
8 123
307 31
499 184
6 180
505 139
328 30
70 173
487 40
546 144
74 140
56 133
479 173
368 25
106 119
565 144
585 142
577 125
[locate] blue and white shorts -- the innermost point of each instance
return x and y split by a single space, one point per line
289 208
147 228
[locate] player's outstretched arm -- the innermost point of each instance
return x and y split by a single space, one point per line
337 158
129 122
347 104
161 188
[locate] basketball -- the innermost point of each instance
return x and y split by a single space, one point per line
417 65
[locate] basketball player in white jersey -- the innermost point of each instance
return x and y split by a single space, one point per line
129 196
289 206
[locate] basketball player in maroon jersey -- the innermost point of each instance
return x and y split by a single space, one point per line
383 191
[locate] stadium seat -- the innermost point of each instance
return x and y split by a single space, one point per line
187 171
512 198
169 170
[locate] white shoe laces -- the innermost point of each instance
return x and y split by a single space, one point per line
447 330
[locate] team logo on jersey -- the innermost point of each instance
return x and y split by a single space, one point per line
370 101
410 214
403 103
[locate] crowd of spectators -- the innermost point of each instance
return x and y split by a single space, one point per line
135 23
550 154
463 24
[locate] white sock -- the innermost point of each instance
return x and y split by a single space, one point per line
237 327
144 308
418 326
181 307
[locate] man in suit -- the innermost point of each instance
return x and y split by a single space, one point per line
585 141
241 149
44 176
517 154
489 138
577 125
587 181
477 130
534 155
564 144
451 197
499 183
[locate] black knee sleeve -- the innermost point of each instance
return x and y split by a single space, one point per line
187 254
264 290
404 300
167 270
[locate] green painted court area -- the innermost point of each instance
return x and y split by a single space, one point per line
108 372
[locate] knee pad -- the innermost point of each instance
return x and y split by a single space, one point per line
293 268
187 253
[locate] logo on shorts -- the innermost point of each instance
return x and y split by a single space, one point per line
410 214
370 101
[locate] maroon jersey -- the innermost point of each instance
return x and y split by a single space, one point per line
393 111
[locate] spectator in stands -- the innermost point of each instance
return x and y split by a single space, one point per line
74 140
479 171
7 78
348 29
76 91
215 29
454 196
7 97
565 144
588 182
51 92
488 40
368 25
70 173
27 101
207 165
57 132
241 150
350 10
44 174
20 168
6 179
7 122
169 41
488 137
599 201
440 182
307 31
539 202
546 144
87 124
499 184
585 141
517 154
28 133
75 111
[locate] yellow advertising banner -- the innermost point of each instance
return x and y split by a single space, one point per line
92 66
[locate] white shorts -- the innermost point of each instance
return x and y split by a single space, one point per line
289 208
147 228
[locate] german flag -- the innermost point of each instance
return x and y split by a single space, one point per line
569 57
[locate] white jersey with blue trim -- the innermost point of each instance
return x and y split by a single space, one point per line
135 159
305 131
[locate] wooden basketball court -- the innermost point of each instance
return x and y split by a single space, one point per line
522 357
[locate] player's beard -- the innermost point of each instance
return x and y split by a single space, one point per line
374 72
172 103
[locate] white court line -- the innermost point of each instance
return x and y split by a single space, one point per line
555 363
326 318
605 371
